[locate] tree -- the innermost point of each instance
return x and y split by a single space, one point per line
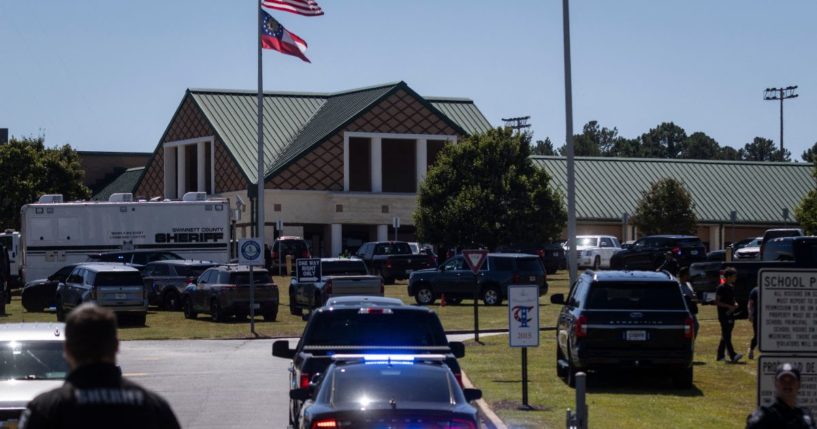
484 190
666 208
806 212
810 154
700 146
28 169
763 149
593 141
664 141
728 153
543 147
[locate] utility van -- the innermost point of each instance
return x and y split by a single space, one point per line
56 233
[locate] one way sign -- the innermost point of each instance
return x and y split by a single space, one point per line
475 258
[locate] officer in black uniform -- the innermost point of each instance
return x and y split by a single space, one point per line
95 395
783 413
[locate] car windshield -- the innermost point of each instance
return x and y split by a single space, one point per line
587 241
381 383
392 249
191 270
530 265
32 360
343 268
350 328
630 296
243 278
690 242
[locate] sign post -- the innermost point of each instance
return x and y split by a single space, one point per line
786 319
523 327
251 253
475 258
395 222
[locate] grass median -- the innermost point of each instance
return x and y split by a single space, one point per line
722 396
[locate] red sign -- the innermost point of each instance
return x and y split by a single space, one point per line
475 258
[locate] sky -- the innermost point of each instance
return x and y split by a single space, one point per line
108 75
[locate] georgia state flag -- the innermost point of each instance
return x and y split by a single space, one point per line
275 36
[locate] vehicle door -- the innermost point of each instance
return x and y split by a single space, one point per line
568 313
70 290
607 247
200 293
450 278
157 277
642 253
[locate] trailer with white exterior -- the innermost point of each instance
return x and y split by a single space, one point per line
56 233
11 241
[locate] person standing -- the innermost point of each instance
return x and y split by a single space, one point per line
670 264
751 306
689 294
725 301
784 412
95 395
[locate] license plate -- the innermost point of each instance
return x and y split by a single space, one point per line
709 296
256 306
532 278
555 253
120 296
693 252
636 335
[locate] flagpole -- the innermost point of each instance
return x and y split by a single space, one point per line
260 177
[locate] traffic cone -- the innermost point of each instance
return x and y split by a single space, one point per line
442 300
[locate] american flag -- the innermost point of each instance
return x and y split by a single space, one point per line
301 7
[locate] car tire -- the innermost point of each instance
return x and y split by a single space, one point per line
491 296
216 312
597 263
388 280
32 303
293 309
188 309
139 319
60 310
682 378
271 315
424 295
454 300
171 300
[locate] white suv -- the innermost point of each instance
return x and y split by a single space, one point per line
596 250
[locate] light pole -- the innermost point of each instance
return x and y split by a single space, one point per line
780 94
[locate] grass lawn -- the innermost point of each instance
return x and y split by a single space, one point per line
722 396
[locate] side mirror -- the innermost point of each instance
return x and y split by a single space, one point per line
457 348
472 394
301 394
281 349
557 298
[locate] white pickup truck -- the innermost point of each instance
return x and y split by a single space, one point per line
338 277
595 251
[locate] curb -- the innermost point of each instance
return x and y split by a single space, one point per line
491 419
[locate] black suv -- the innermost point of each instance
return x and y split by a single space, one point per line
165 280
364 328
625 319
454 279
648 253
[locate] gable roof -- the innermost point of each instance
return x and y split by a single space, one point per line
606 188
126 182
294 123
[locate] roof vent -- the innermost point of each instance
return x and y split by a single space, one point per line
195 196
50 198
121 197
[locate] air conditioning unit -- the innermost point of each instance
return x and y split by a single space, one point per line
50 198
121 197
195 196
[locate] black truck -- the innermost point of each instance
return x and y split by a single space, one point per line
374 326
785 252
393 260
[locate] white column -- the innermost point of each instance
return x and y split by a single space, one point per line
181 174
345 163
200 164
377 164
337 239
714 237
421 160
169 190
382 233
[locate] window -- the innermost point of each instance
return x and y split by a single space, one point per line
399 165
119 278
606 242
360 164
501 264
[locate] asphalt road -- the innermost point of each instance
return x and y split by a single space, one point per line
213 383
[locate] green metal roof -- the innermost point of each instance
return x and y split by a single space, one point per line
126 182
606 188
294 123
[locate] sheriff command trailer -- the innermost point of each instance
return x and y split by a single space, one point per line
55 233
